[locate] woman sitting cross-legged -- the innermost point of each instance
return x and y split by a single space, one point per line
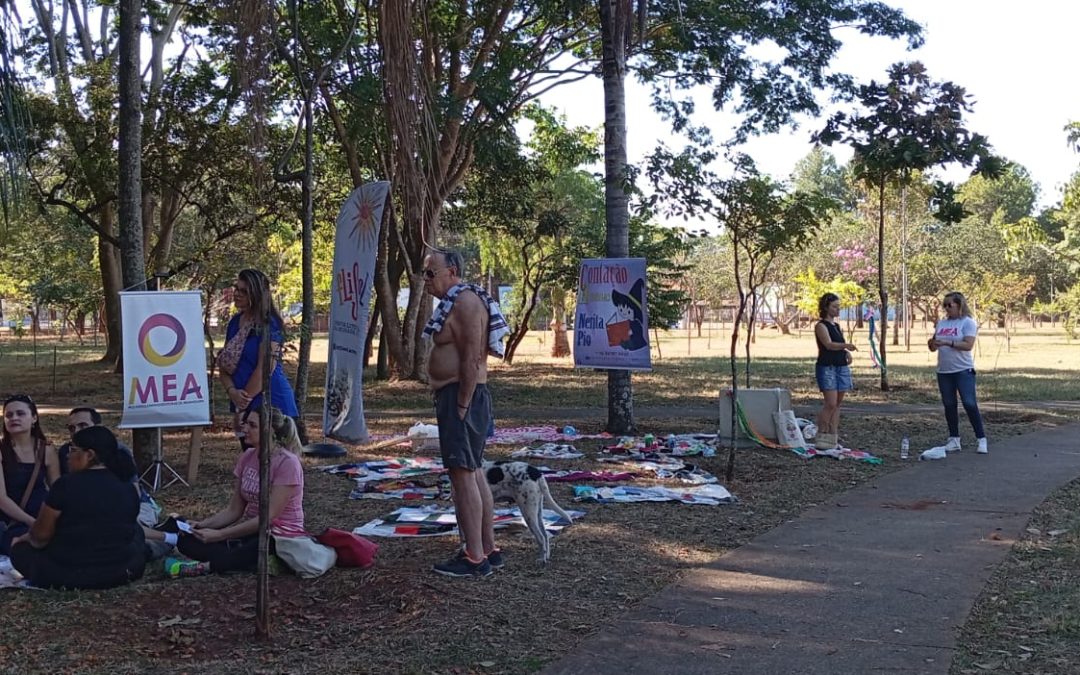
86 534
228 540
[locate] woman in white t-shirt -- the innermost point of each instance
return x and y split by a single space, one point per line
954 338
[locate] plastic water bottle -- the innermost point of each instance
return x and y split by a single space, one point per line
905 446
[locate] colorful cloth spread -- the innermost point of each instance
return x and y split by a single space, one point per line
665 468
520 435
436 521
386 469
838 453
599 476
710 495
497 328
549 451
402 489
682 445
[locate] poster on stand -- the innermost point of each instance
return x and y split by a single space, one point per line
165 382
611 321
356 243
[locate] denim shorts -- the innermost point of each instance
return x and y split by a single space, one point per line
833 378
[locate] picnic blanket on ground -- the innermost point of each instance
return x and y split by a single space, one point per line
386 469
521 435
402 489
681 445
666 468
438 521
711 495
549 451
601 476
837 453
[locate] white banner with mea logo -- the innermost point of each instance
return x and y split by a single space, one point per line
165 381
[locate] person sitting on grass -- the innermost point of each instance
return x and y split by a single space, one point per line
30 466
157 543
228 540
86 536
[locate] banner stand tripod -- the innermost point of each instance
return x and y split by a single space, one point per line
159 474
160 470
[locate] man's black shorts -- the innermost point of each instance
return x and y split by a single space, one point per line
462 441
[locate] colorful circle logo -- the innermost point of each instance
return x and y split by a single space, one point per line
149 353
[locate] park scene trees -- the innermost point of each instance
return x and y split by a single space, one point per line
153 143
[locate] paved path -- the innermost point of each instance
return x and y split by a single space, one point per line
879 580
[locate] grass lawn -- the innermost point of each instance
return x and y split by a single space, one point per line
398 617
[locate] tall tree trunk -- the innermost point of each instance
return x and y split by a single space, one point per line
111 283
560 345
307 267
614 22
883 292
387 288
132 251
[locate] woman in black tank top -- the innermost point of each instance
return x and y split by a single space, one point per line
831 370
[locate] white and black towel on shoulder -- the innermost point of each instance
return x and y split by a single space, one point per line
497 327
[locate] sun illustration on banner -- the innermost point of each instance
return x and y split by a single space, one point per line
364 225
169 322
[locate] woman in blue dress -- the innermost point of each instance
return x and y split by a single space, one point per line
30 465
241 359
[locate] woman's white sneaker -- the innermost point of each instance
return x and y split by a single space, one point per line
953 444
982 450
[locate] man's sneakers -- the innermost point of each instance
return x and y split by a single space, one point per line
496 559
462 567
177 568
953 445
982 449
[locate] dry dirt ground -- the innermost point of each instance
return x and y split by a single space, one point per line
398 616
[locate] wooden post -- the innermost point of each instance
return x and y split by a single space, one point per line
262 574
194 454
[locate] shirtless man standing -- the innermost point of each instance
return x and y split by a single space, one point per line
457 373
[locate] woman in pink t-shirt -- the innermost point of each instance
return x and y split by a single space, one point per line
228 540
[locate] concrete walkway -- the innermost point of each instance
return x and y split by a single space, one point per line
879 580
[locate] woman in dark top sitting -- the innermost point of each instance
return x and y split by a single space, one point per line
86 535
832 371
30 465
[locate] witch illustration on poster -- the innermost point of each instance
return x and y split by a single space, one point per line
628 324
611 321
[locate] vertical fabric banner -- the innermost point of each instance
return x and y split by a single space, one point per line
611 321
356 244
165 381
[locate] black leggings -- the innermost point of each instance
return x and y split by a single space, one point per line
232 555
44 572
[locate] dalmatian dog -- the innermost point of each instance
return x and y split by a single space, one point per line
525 486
